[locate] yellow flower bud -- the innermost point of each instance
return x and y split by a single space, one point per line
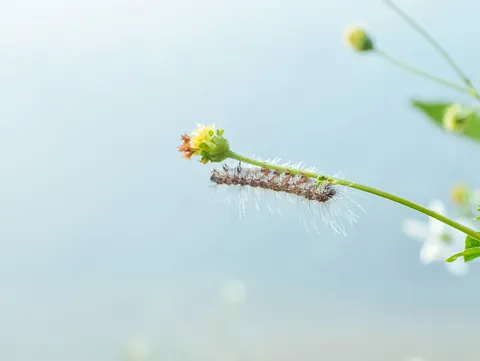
358 39
456 118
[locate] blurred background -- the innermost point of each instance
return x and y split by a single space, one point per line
115 248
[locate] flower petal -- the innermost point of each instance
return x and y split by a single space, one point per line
435 226
431 251
475 197
459 237
458 268
437 205
415 229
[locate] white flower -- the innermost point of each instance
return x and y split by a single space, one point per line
415 358
234 292
440 241
137 349
475 197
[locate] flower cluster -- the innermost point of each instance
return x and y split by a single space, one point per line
440 241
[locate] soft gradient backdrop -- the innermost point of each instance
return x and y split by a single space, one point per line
109 236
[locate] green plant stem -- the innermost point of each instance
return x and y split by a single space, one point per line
440 50
422 73
360 187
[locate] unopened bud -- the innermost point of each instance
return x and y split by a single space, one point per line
358 39
456 118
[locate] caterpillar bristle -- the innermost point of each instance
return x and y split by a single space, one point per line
325 200
276 181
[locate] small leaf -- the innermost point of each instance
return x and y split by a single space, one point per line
470 243
436 110
472 250
469 252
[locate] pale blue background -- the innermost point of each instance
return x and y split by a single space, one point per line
107 233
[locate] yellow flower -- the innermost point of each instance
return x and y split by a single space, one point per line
203 134
358 39
206 142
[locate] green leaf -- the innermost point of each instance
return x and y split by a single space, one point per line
435 111
472 250
470 243
475 251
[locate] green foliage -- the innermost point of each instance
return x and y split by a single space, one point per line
478 218
469 252
472 250
470 243
435 111
450 117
